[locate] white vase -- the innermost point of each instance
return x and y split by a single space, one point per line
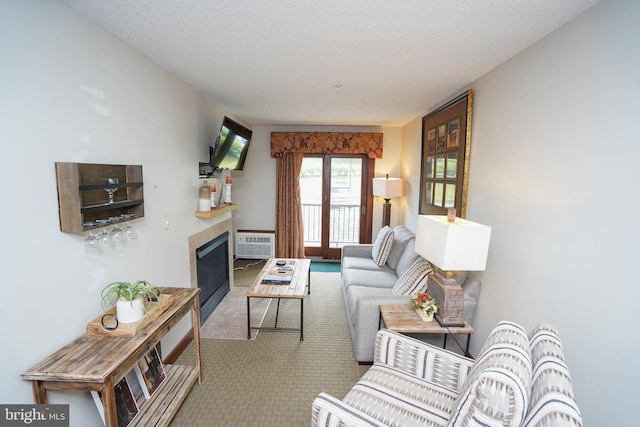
129 311
424 316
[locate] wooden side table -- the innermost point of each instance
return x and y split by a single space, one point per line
403 318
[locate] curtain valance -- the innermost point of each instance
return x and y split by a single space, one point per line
368 143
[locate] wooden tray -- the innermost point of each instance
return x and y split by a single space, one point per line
154 309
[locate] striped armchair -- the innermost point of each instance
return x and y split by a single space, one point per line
516 380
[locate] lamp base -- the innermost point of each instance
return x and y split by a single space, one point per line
451 324
450 297
386 213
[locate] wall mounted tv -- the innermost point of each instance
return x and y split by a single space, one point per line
231 146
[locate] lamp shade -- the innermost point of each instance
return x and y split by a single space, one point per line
453 246
387 188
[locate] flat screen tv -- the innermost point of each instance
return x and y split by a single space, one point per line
231 146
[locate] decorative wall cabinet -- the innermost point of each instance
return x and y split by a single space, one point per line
84 195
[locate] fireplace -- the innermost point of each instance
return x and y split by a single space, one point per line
207 247
212 265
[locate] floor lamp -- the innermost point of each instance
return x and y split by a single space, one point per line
451 244
387 188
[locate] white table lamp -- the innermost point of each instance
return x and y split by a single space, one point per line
451 246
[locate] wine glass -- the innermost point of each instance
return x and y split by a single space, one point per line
105 239
110 191
130 232
117 234
92 243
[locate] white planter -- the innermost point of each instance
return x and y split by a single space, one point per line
424 316
129 311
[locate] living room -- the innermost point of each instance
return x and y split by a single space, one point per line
73 92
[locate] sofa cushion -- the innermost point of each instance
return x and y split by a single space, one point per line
329 411
383 278
382 246
395 398
471 287
497 390
401 236
359 263
552 399
407 258
414 279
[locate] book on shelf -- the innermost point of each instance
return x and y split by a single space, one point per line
150 372
126 405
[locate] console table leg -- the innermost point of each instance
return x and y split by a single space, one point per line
39 393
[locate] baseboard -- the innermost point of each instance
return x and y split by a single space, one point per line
179 349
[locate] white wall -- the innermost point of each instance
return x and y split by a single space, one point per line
256 201
553 171
71 92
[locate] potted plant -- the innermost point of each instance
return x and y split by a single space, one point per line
129 299
425 306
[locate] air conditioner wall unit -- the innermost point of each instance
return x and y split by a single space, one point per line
255 245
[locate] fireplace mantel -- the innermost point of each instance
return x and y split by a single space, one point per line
220 210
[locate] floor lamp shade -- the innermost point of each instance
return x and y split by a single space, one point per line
387 188
460 245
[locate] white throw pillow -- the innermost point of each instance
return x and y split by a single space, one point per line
382 246
414 280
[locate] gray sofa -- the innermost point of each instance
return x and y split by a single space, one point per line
517 380
366 285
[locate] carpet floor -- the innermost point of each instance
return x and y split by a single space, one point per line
272 380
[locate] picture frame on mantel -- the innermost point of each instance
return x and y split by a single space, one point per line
446 146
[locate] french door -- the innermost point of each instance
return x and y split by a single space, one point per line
336 202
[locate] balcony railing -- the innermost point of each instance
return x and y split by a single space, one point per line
344 224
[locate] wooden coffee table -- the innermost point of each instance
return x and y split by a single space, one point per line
290 288
404 319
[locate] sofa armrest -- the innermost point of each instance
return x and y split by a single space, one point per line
329 411
365 315
360 251
421 359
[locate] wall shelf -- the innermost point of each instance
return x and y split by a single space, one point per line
216 211
82 199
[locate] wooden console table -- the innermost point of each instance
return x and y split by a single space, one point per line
98 362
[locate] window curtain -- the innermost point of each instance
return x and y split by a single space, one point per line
290 230
289 148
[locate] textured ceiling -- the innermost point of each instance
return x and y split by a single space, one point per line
277 61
